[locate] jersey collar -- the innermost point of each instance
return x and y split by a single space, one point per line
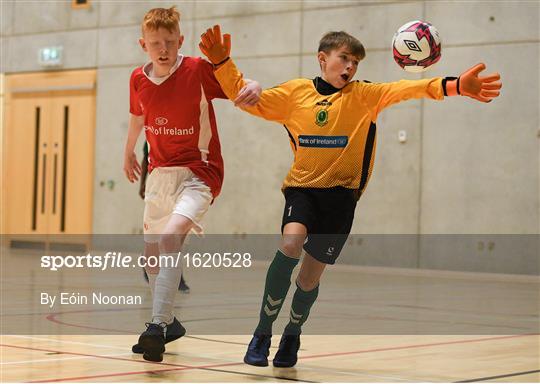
323 87
147 70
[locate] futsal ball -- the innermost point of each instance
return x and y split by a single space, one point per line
416 46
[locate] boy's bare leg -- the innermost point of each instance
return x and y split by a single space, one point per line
292 240
310 273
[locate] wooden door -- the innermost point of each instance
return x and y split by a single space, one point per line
49 153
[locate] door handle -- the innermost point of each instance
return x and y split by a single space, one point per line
36 169
64 169
55 178
43 178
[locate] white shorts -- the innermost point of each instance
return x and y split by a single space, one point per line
173 190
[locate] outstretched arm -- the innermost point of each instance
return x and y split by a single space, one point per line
382 95
273 103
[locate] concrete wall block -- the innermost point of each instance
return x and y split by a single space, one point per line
390 203
209 10
40 17
484 21
373 25
250 35
85 17
480 161
317 4
4 54
132 13
6 18
395 251
120 46
79 50
310 66
190 47
516 254
119 210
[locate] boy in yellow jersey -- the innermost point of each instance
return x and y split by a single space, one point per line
331 125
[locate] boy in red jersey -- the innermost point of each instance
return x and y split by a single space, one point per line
170 97
331 122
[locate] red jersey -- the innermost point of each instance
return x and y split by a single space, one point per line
179 120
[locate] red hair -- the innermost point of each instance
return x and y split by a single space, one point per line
161 18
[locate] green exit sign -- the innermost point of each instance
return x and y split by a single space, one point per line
50 56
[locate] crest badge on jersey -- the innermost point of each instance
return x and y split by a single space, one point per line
321 118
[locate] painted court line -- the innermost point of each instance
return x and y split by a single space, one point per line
67 342
274 377
499 376
188 367
357 374
59 359
95 356
417 346
178 367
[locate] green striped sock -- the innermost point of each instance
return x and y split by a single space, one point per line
301 304
278 281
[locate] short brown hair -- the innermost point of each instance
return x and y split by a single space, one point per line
334 40
161 18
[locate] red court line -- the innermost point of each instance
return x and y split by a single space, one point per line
189 367
131 360
178 367
106 375
416 346
52 318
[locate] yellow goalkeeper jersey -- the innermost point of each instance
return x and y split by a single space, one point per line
333 136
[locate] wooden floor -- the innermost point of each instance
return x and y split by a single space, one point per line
322 359
382 300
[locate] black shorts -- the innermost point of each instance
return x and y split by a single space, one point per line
328 215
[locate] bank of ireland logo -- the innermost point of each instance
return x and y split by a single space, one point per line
161 120
321 118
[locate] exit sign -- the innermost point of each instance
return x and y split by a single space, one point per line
50 56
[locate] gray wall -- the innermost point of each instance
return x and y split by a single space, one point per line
465 168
